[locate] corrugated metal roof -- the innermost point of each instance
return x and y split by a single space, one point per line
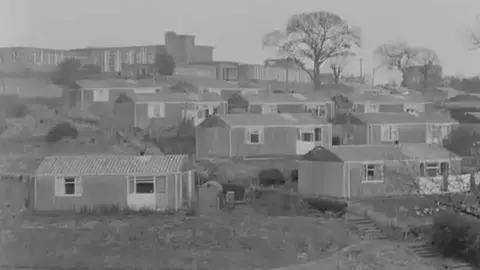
110 165
403 118
272 120
351 153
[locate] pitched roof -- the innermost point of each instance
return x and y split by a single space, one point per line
387 98
110 165
120 83
262 97
265 120
352 153
403 118
177 97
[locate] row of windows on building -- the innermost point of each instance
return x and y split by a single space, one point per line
42 58
113 60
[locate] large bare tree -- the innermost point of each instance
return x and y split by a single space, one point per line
312 38
427 59
401 56
473 35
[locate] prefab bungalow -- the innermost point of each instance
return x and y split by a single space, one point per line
268 103
391 128
377 170
158 111
249 135
380 103
156 182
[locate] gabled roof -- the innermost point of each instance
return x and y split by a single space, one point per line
177 97
266 120
110 165
120 83
403 118
262 97
360 153
467 98
387 98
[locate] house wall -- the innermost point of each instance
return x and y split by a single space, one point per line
323 178
358 134
96 190
413 133
390 107
282 108
173 116
213 141
124 114
399 178
277 141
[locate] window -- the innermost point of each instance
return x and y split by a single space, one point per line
68 186
151 58
373 173
254 135
317 109
100 95
156 110
389 133
437 133
131 57
33 57
138 58
125 57
147 184
434 169
371 107
309 134
269 108
14 56
51 58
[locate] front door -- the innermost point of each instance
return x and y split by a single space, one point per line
141 192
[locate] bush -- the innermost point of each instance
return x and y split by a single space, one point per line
455 235
294 176
61 131
17 110
324 205
238 189
271 177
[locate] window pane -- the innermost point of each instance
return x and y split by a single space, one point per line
144 188
432 172
307 137
318 134
254 138
70 189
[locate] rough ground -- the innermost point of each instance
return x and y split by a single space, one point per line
370 255
240 240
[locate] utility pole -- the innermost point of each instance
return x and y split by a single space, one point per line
361 67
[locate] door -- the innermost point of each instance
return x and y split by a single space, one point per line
141 192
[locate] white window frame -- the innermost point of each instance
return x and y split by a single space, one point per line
391 130
156 110
154 180
317 109
249 131
101 95
311 131
371 166
434 165
60 186
444 132
269 108
372 107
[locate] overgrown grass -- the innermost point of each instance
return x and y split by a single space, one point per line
104 237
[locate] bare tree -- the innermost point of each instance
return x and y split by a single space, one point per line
399 56
427 58
338 64
312 38
473 35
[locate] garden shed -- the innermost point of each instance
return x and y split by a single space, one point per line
375 170
157 182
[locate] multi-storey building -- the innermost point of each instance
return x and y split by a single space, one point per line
123 60
25 59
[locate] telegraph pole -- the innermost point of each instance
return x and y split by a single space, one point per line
286 74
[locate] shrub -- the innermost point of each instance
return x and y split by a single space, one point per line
324 205
238 189
17 110
61 131
271 177
455 235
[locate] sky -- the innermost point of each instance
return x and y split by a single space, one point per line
235 28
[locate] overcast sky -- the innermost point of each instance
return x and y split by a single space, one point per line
235 28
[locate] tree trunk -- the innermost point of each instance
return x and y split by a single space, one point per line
336 74
404 79
425 76
316 77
